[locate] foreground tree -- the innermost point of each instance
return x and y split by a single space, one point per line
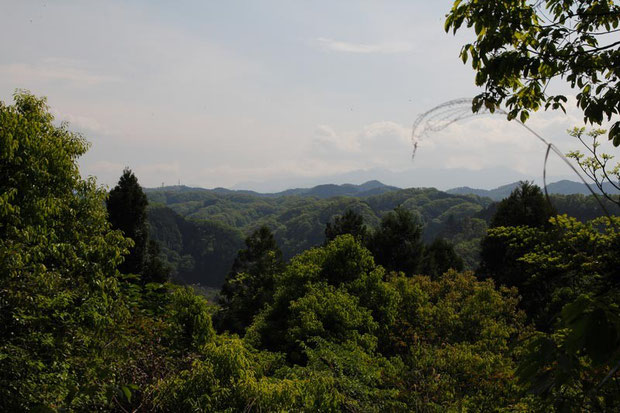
126 205
58 257
522 46
572 276
333 293
596 165
456 337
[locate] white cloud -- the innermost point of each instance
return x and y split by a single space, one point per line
364 48
477 143
378 144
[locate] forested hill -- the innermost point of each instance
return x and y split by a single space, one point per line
203 234
564 187
201 230
319 191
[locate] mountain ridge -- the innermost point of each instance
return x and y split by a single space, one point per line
372 187
376 187
562 187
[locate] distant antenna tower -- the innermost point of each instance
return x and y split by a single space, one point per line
162 184
179 181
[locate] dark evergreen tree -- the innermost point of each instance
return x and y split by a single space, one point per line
348 223
249 285
127 212
439 257
397 243
526 205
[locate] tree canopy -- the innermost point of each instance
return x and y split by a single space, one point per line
331 330
522 46
348 223
58 258
526 205
397 243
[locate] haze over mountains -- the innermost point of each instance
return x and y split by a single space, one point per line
415 177
375 187
564 187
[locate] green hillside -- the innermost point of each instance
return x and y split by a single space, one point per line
201 230
202 236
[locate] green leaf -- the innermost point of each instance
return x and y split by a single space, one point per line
126 393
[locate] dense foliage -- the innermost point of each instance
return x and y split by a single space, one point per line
59 294
348 223
250 284
349 325
202 238
199 252
397 243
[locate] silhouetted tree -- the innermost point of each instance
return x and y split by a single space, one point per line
526 205
127 212
397 244
440 257
348 223
249 285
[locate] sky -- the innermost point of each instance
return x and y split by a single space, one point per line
264 95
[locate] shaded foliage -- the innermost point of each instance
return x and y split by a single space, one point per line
573 361
397 244
348 223
440 257
526 205
199 252
525 208
127 212
250 284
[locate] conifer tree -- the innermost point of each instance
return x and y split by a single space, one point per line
127 212
249 285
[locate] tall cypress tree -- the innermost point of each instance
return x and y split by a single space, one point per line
250 283
127 212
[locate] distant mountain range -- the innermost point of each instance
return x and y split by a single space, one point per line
374 187
320 191
563 187
413 177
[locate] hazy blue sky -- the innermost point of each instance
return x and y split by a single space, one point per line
224 93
